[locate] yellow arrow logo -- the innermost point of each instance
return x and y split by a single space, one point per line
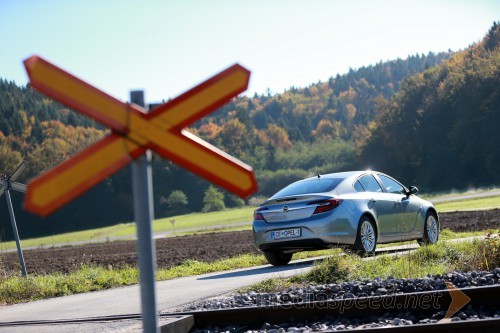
458 301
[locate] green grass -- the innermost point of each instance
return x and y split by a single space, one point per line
434 259
77 236
202 222
195 221
454 193
447 234
211 230
471 204
16 289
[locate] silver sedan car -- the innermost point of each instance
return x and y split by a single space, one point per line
356 209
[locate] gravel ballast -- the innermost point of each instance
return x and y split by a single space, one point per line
355 289
365 288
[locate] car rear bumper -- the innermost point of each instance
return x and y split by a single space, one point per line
325 230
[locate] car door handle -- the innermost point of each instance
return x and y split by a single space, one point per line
372 200
398 203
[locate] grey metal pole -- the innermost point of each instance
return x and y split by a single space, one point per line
14 226
142 185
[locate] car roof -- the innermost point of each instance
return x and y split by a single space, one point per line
345 175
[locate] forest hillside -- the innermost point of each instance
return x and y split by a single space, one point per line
429 120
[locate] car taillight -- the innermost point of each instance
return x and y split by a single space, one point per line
325 205
257 215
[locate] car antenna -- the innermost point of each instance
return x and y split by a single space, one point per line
319 176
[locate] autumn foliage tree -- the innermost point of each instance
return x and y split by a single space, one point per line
441 129
276 137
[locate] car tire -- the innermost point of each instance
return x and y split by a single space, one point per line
431 230
277 258
366 237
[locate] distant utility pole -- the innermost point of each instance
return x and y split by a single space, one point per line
7 184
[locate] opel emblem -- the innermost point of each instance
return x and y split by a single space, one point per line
285 208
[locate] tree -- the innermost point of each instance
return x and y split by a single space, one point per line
327 130
50 153
9 159
278 137
235 137
176 202
213 200
440 129
234 201
209 131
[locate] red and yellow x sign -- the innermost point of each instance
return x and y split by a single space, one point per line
134 131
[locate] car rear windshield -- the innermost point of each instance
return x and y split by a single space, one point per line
309 186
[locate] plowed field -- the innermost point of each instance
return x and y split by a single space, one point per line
175 250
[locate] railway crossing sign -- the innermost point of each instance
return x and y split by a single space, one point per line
9 183
134 131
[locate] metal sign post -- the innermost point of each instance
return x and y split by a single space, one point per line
143 212
6 185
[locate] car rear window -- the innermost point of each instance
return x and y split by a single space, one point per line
309 186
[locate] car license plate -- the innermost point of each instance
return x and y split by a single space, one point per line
286 233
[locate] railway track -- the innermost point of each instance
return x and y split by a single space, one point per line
433 305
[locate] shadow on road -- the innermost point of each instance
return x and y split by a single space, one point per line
263 270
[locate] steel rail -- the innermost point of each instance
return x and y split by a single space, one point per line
362 307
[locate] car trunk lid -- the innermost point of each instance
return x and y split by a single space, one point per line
291 208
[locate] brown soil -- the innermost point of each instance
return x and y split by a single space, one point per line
471 220
174 251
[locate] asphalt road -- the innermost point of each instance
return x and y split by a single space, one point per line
126 300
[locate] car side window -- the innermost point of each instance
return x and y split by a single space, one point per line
391 185
370 184
358 186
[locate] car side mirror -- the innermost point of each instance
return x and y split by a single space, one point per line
413 190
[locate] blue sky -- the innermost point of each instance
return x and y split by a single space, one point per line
166 47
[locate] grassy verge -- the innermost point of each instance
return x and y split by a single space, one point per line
471 204
447 234
454 193
77 236
197 222
444 235
16 289
440 258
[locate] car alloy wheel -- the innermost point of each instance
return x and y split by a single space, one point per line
367 236
432 229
